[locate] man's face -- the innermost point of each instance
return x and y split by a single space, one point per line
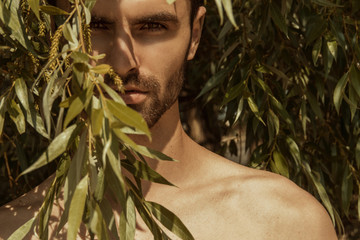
147 42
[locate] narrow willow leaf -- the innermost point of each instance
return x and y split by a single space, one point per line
255 109
2 112
233 93
32 116
332 46
97 117
35 7
114 95
355 79
143 171
220 11
280 109
128 116
101 69
17 116
339 91
56 148
9 15
51 10
145 214
294 150
97 223
75 108
326 3
21 232
128 220
314 104
320 189
346 190
352 101
77 208
109 218
279 164
316 50
170 1
169 220
229 11
278 18
357 153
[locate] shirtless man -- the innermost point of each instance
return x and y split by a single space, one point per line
148 42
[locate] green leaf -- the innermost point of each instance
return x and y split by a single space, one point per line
101 69
9 16
32 116
233 93
35 7
51 10
77 208
354 78
229 12
57 147
169 220
127 230
143 171
2 112
128 116
326 3
339 91
346 190
78 104
114 95
220 11
97 117
316 50
279 164
332 46
314 104
255 109
17 116
21 232
357 153
278 18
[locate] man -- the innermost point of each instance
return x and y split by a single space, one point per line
148 42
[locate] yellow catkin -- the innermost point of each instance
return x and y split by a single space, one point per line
35 63
54 49
25 10
42 29
87 36
117 80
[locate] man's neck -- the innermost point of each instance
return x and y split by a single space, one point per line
169 138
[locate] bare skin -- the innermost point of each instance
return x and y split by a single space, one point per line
215 198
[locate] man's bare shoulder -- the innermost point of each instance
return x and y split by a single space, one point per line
269 205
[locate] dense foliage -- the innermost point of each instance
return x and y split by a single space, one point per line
288 78
286 73
55 106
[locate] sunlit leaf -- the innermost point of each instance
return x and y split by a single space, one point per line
339 91
77 208
2 113
128 116
21 232
169 220
56 148
279 164
52 10
35 7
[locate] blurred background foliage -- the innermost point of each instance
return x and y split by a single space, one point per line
277 87
280 91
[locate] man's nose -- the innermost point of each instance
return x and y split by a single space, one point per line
123 56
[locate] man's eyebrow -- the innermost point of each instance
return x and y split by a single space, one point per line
156 17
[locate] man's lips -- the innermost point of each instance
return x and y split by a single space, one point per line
133 95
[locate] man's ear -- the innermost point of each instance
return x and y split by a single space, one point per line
196 32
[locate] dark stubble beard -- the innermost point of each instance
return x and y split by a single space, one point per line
155 104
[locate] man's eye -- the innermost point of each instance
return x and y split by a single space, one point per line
153 26
98 25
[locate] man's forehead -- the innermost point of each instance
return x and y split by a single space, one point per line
113 9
